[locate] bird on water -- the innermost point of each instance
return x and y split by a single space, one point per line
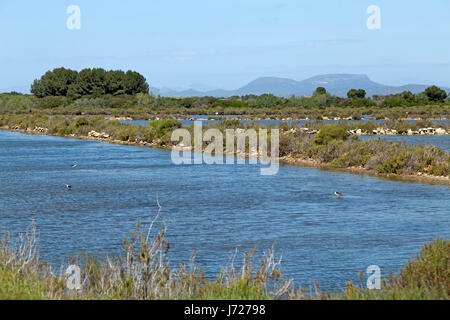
338 194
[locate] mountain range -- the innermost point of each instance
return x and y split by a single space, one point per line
336 84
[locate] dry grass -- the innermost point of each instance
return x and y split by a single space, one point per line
142 272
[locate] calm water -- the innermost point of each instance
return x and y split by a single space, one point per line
214 209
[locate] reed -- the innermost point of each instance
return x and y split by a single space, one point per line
142 272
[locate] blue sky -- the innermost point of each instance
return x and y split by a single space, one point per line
225 44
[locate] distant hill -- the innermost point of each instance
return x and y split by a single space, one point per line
337 84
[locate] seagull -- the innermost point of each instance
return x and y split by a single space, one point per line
338 194
74 166
68 187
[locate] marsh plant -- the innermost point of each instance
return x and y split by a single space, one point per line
240 142
142 272
331 145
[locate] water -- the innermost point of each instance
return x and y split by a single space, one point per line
214 209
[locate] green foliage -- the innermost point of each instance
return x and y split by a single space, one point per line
431 269
88 82
99 83
142 272
330 132
134 82
51 102
320 91
394 165
54 83
356 94
265 101
81 122
435 94
15 286
115 82
330 146
440 169
165 126
425 277
355 157
145 106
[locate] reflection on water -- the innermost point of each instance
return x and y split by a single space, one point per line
214 209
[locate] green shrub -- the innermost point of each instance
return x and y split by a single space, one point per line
425 277
430 270
440 169
81 122
330 132
164 126
356 157
394 165
65 131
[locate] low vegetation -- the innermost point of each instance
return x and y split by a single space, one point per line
331 146
425 277
142 272
126 94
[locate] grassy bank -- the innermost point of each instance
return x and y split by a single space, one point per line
142 272
336 148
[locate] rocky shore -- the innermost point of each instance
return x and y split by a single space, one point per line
419 178
383 131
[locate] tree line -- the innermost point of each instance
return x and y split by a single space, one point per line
117 88
88 82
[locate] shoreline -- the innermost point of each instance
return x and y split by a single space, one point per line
424 178
289 160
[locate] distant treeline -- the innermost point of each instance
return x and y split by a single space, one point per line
100 92
98 82
88 82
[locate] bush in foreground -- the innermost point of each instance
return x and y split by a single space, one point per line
142 272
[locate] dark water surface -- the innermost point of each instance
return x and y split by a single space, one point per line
214 209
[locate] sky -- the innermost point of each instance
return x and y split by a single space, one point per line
207 44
